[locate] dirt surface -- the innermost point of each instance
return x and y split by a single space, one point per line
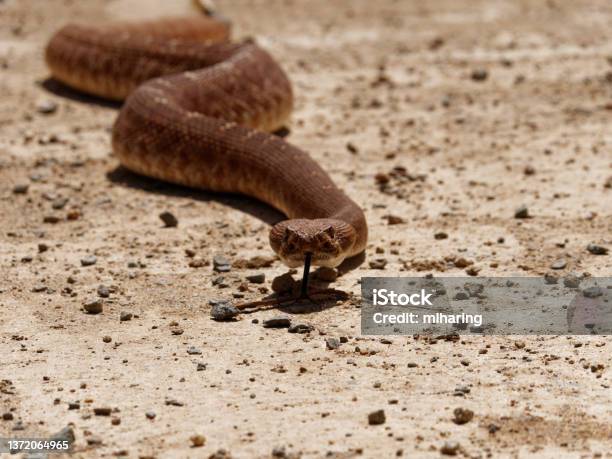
468 109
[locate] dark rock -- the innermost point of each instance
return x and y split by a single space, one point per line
440 235
597 249
550 278
201 366
559 264
21 188
378 263
480 74
66 434
197 440
221 264
8 416
93 306
450 448
124 316
462 416
59 203
53 219
103 291
284 283
102 411
521 212
169 220
332 343
277 322
592 292
377 417
571 281
326 274
258 278
224 311
300 328
89 260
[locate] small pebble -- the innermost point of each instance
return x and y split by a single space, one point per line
224 311
93 306
326 274
124 316
258 278
450 448
150 415
440 235
377 417
550 278
283 284
106 339
277 322
462 416
480 74
192 350
89 260
378 263
103 291
221 264
197 440
332 343
559 264
597 249
21 188
102 411
571 281
169 220
46 107
300 328
521 212
592 292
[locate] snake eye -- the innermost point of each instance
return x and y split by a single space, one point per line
330 231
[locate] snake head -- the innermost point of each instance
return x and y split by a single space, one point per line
329 241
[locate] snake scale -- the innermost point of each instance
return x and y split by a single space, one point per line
200 111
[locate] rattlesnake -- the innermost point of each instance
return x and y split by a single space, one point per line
198 112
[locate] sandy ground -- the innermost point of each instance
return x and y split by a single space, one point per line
488 105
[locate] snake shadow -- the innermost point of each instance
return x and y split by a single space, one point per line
59 89
267 214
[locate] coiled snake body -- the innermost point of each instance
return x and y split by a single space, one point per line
198 112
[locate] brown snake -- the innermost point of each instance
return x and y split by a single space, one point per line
198 112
